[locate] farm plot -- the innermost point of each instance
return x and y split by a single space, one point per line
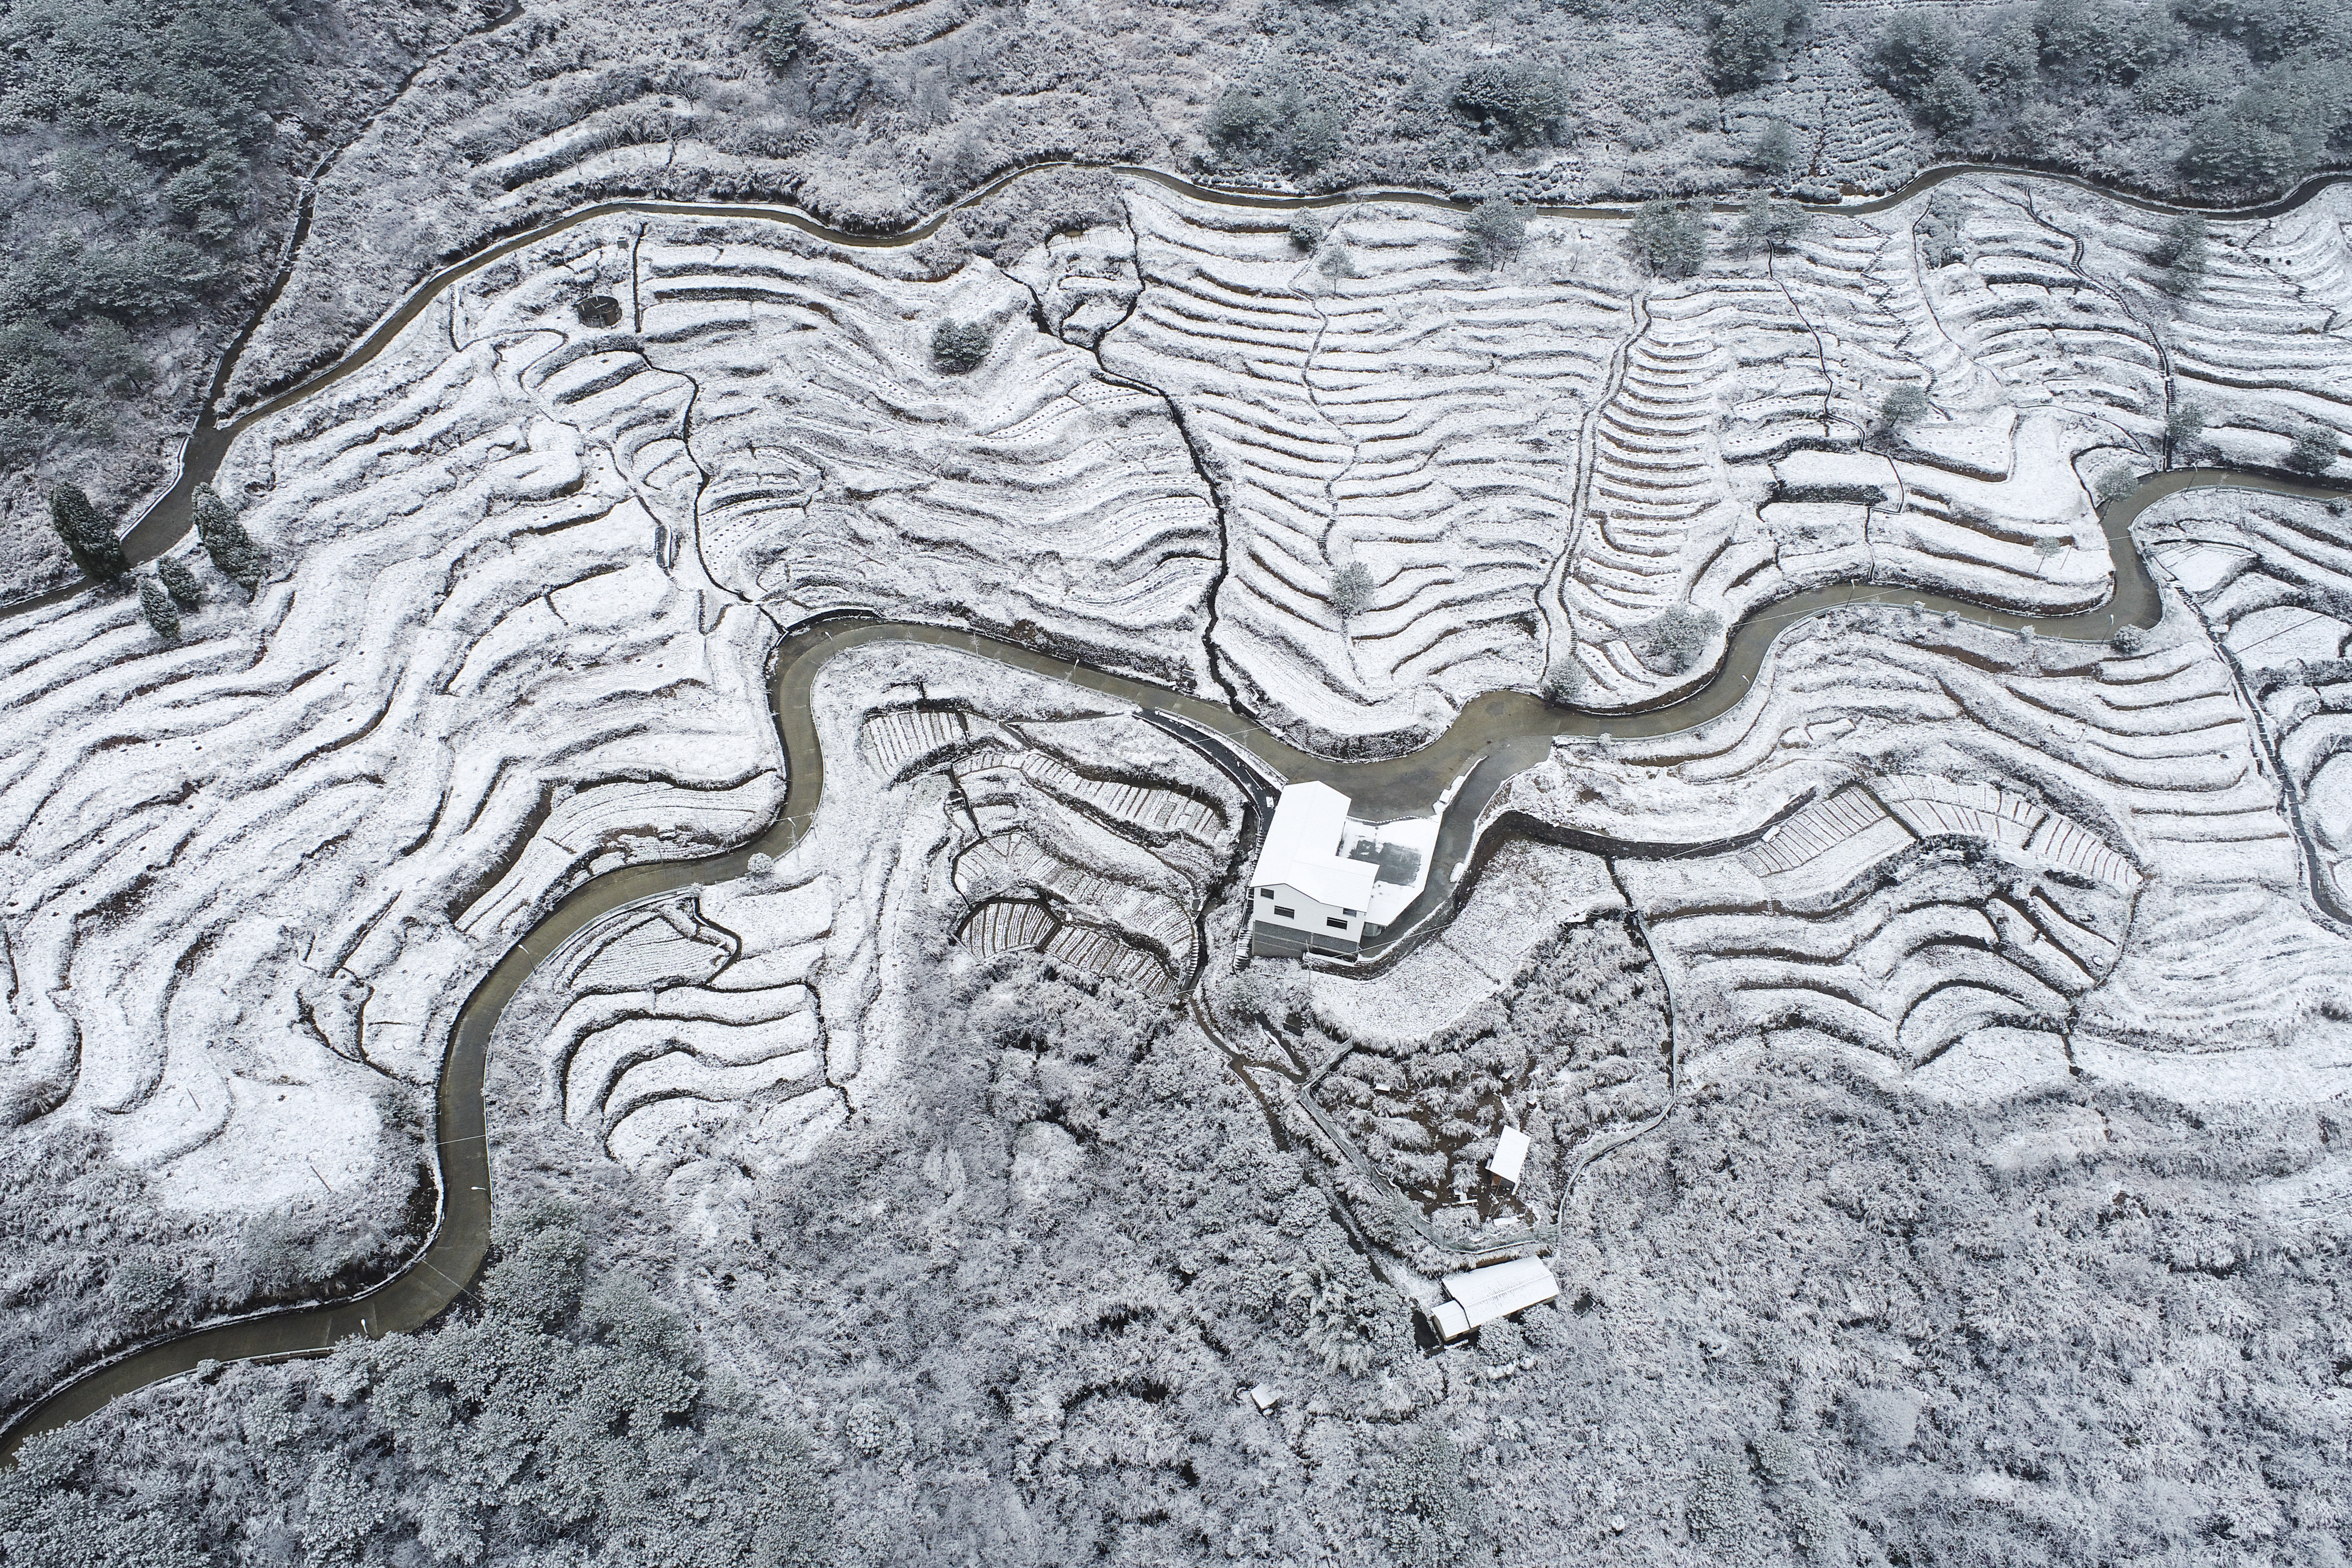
964 805
2272 580
1970 855
829 463
252 872
1559 470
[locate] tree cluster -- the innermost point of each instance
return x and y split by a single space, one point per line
2005 83
960 347
1749 39
233 551
158 111
1283 129
1497 232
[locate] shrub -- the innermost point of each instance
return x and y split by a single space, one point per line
1237 118
2115 480
1669 236
2129 640
1949 102
1939 231
1307 230
1516 101
1771 225
1675 638
1287 130
1496 232
234 553
1565 683
1912 47
89 538
1351 590
1343 1308
1313 141
2184 425
958 347
2313 451
1416 1494
112 359
1749 38
2264 140
2009 58
1776 150
1722 1501
179 582
1780 1459
2180 251
143 1287
1902 407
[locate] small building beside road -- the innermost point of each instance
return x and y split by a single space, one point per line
1327 882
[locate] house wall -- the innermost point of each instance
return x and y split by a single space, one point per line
1277 935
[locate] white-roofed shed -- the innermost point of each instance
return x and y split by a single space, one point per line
1510 1154
1482 1295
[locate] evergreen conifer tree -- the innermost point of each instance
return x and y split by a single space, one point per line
157 607
179 582
233 551
89 538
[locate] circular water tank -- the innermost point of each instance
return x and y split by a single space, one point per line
600 310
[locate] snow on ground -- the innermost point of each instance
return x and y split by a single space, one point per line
1977 863
735 1025
2272 580
250 875
1537 463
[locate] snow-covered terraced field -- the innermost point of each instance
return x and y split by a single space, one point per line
1538 462
252 874
963 805
1974 859
2272 580
829 464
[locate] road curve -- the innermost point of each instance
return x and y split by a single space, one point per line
1500 734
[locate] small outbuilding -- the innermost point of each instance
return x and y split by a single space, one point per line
1510 1155
1482 1295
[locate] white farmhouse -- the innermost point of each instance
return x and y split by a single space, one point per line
1326 882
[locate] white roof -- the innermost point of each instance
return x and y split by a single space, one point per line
1498 1291
1510 1153
1302 849
1452 1321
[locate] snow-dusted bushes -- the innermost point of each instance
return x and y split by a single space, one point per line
1493 234
568 1420
1669 237
89 538
1674 639
1426 1520
1351 590
958 347
100 1259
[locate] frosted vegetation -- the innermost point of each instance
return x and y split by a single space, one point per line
1932 1063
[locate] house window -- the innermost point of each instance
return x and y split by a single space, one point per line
1265 892
1286 914
1336 925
